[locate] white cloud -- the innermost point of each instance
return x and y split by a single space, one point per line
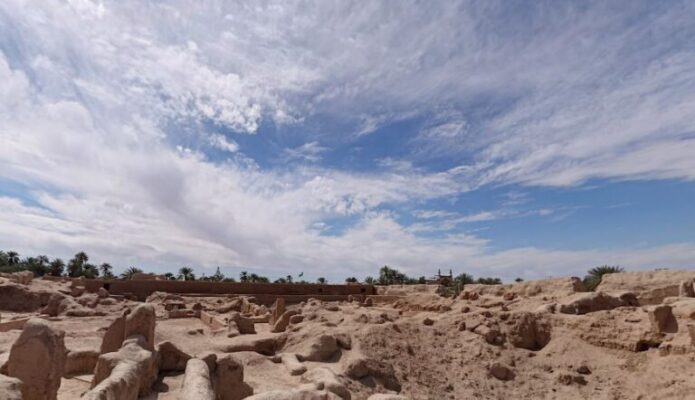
308 152
95 95
221 142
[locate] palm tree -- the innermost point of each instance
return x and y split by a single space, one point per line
243 276
56 267
90 271
289 278
321 281
128 273
489 281
76 265
32 264
186 274
42 259
106 269
12 257
593 279
390 276
464 279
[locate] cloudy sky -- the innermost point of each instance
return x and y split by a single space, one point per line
512 139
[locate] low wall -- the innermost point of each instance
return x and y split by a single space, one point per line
142 289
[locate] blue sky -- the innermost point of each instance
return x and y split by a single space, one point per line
511 139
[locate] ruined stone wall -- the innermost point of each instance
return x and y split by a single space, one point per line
143 288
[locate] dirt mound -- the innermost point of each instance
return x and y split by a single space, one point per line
542 339
557 287
20 298
650 287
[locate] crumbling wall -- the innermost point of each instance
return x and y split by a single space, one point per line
264 292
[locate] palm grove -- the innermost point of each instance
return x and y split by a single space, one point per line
79 266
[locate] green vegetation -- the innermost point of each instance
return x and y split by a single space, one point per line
128 273
79 266
594 275
489 281
186 274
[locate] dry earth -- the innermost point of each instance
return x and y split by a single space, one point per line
550 339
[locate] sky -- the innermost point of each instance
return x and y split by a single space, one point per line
511 139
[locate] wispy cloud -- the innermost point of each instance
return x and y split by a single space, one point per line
221 142
308 152
95 97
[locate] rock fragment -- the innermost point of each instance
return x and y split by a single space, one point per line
196 382
292 363
685 289
528 331
141 321
243 325
132 370
661 319
320 348
79 362
37 358
583 303
361 367
281 323
229 379
329 381
171 358
277 310
295 394
501 372
114 336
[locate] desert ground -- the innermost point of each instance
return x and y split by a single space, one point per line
631 338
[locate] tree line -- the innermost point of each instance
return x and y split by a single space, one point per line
79 265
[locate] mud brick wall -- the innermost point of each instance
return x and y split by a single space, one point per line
143 288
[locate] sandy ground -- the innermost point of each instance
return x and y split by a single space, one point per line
432 347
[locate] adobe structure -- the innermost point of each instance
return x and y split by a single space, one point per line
66 339
265 293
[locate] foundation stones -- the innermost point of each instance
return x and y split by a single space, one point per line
243 325
320 348
171 358
141 321
501 372
229 379
292 363
662 320
133 363
685 289
196 383
37 358
80 362
113 338
329 381
281 323
277 311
